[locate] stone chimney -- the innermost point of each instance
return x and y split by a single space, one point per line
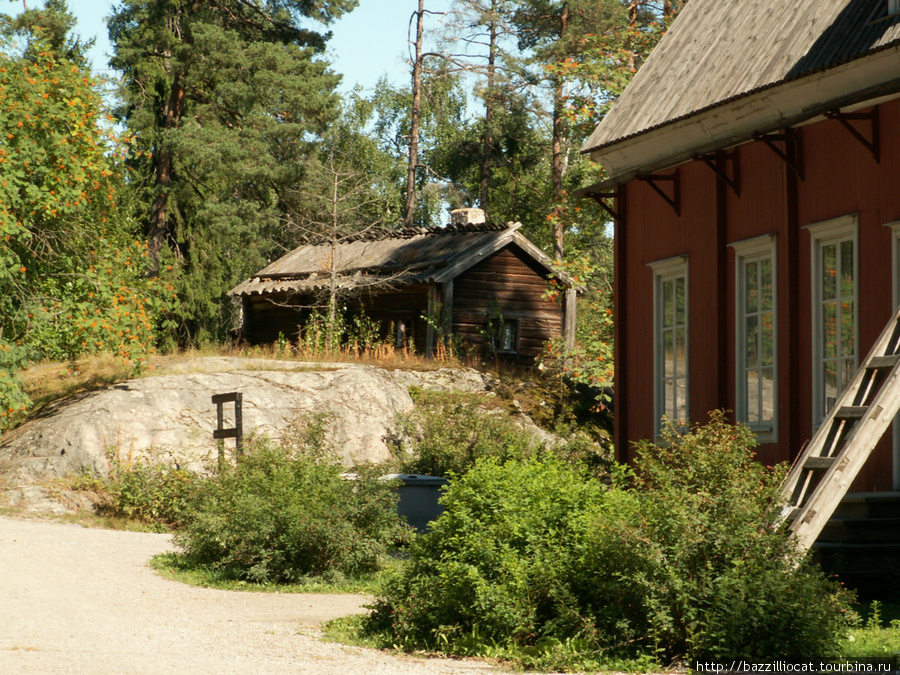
466 217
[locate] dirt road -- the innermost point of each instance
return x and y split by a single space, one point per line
76 600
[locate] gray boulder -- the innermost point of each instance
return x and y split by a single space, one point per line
170 418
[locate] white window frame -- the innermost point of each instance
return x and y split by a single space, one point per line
822 234
895 271
663 271
747 252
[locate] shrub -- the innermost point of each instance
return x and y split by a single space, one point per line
494 563
716 578
286 512
679 561
152 493
446 433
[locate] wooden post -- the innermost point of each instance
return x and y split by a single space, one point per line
447 311
429 330
237 431
569 317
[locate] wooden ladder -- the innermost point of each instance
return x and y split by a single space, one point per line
822 474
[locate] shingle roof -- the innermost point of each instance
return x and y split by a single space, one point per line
717 51
413 255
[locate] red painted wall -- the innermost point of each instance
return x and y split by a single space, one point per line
839 177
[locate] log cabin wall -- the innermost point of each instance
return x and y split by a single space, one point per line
391 307
513 285
265 317
838 176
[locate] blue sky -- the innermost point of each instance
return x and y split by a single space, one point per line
368 42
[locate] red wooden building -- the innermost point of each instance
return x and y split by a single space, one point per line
753 172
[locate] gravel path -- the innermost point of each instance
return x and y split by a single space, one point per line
78 600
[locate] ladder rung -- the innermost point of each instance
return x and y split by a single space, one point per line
879 362
851 412
818 463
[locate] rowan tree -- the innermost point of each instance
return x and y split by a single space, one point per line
71 264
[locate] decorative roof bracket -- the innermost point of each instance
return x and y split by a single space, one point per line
871 117
712 161
791 154
600 198
675 200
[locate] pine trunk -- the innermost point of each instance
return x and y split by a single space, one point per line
414 124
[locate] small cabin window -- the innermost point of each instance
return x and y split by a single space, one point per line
505 336
508 336
893 7
400 334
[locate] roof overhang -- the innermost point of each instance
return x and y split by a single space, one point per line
736 121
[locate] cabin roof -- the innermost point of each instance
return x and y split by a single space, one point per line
720 52
407 256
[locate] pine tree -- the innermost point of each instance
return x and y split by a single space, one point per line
226 98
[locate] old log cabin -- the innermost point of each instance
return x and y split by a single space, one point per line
475 280
752 173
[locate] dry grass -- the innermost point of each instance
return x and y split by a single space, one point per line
51 381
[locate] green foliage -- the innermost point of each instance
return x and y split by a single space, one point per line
715 578
283 513
876 637
493 565
72 276
153 493
446 433
226 100
684 563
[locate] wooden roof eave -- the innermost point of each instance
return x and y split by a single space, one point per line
468 259
511 236
734 122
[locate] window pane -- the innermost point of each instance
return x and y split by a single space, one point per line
681 399
669 353
768 394
848 335
670 399
753 396
847 269
829 329
681 350
668 302
751 331
752 285
831 385
767 338
766 284
680 301
848 370
829 272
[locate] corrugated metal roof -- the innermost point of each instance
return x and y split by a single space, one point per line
717 51
415 255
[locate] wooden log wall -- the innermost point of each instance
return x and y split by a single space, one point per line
513 285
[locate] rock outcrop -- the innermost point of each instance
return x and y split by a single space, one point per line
171 417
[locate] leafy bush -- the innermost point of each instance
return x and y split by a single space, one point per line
494 564
152 493
679 561
447 432
715 578
285 512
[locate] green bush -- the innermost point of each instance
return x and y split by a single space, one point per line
494 563
679 561
714 577
447 432
152 493
286 512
